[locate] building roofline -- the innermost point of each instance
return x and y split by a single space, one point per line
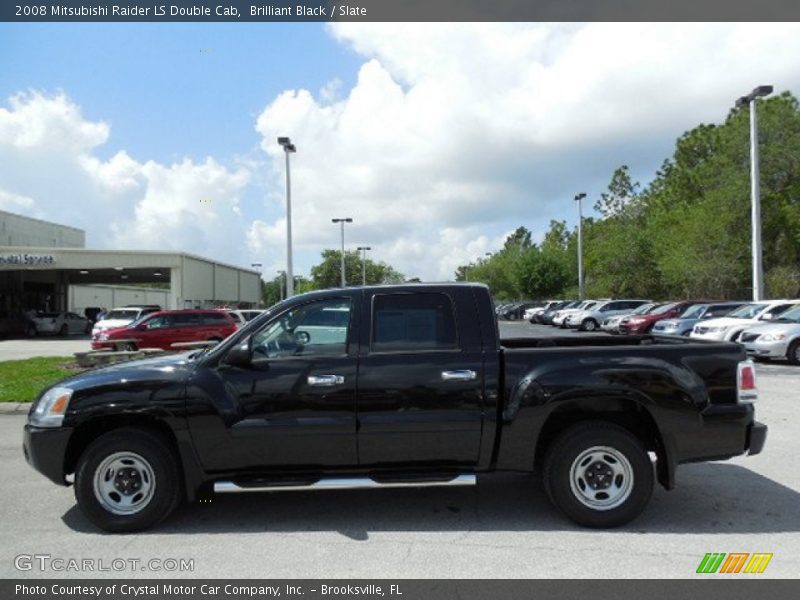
26 217
49 250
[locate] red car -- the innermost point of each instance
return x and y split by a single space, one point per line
164 328
644 323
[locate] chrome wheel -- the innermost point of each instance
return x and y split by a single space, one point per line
601 478
124 483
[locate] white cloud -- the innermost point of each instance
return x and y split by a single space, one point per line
451 136
16 202
479 127
35 121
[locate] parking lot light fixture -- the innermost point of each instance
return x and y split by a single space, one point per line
578 199
342 221
288 148
755 188
363 250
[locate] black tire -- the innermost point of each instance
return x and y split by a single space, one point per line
562 465
793 353
64 330
31 331
166 479
589 325
128 347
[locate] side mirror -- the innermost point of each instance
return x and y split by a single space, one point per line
241 355
142 327
767 317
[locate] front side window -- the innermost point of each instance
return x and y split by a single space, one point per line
161 322
315 328
412 322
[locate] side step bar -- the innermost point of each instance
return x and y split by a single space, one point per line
344 483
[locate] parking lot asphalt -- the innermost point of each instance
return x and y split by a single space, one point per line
502 528
19 349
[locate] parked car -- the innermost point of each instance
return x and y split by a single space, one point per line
560 317
589 319
516 311
546 318
123 316
780 338
164 328
639 324
419 392
685 322
62 323
531 313
729 327
611 324
241 316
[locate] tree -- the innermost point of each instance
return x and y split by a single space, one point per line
328 274
542 273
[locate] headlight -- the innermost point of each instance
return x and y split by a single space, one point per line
49 410
773 337
103 335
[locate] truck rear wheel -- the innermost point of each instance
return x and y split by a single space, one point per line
127 480
598 475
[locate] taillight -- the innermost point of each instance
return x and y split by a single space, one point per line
747 390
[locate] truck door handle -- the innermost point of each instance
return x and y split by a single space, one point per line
462 375
325 380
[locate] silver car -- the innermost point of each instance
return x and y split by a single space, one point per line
684 324
590 319
64 323
780 338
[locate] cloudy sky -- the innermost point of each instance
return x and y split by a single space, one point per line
437 139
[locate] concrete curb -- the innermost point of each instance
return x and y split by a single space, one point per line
15 408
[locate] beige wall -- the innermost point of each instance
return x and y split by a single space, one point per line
111 296
17 230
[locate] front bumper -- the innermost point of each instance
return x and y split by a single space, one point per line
45 449
766 349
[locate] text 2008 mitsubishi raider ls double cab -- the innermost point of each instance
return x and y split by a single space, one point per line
393 386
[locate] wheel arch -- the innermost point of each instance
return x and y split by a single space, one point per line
628 413
88 431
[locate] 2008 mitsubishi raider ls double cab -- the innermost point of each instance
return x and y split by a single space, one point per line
393 386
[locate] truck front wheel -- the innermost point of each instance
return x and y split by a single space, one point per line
127 480
598 474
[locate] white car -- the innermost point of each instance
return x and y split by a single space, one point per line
243 315
65 323
780 338
729 327
561 316
589 319
537 310
120 317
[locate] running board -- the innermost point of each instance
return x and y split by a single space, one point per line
344 483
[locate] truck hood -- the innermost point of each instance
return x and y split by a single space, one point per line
159 370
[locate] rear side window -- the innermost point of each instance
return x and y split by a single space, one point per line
214 319
185 319
422 321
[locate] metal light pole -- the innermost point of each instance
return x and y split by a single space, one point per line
363 250
578 199
755 189
288 148
343 220
281 282
260 284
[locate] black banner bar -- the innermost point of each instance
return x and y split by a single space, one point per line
397 10
705 587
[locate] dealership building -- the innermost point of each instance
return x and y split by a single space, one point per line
46 266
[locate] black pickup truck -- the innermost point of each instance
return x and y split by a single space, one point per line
393 386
